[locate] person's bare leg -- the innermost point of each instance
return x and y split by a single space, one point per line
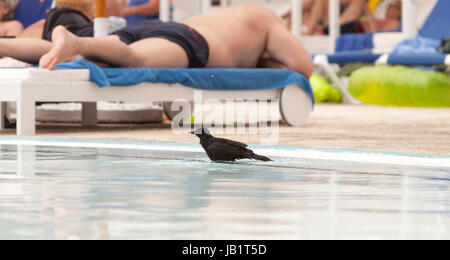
353 11
154 52
34 31
318 12
158 53
29 50
67 46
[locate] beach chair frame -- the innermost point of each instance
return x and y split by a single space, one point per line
28 86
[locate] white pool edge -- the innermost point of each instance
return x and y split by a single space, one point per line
293 152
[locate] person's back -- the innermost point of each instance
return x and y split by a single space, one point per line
231 27
239 36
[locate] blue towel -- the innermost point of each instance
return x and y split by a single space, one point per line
422 59
347 57
354 42
208 79
419 45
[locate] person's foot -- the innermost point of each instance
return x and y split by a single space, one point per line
65 48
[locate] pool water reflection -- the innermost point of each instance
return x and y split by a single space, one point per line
89 193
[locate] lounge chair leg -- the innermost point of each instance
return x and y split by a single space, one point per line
3 106
322 61
89 114
295 105
26 116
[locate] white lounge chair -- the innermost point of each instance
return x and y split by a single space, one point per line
421 13
31 85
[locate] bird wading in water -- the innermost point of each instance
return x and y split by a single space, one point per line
223 150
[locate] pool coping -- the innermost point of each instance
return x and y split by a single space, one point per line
330 154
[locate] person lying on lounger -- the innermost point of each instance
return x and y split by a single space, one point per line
9 27
391 22
236 37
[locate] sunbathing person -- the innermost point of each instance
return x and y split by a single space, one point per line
8 26
391 22
236 37
351 12
368 23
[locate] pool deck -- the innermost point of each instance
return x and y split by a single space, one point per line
368 128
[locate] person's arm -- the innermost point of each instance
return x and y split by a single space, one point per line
11 28
368 21
112 8
318 13
150 8
307 5
389 24
266 61
369 24
286 50
354 10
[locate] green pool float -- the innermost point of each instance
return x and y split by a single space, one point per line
400 86
323 91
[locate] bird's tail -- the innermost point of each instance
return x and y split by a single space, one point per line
260 158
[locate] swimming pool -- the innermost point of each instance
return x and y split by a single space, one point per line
78 189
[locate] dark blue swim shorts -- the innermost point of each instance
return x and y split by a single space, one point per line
190 40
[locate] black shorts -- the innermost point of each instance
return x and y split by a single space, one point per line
190 40
348 28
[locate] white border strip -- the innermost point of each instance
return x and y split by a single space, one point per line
447 60
300 153
382 60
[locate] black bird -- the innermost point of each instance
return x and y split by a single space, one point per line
223 150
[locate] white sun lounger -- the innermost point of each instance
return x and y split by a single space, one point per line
31 85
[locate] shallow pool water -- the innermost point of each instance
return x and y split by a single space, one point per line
93 193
